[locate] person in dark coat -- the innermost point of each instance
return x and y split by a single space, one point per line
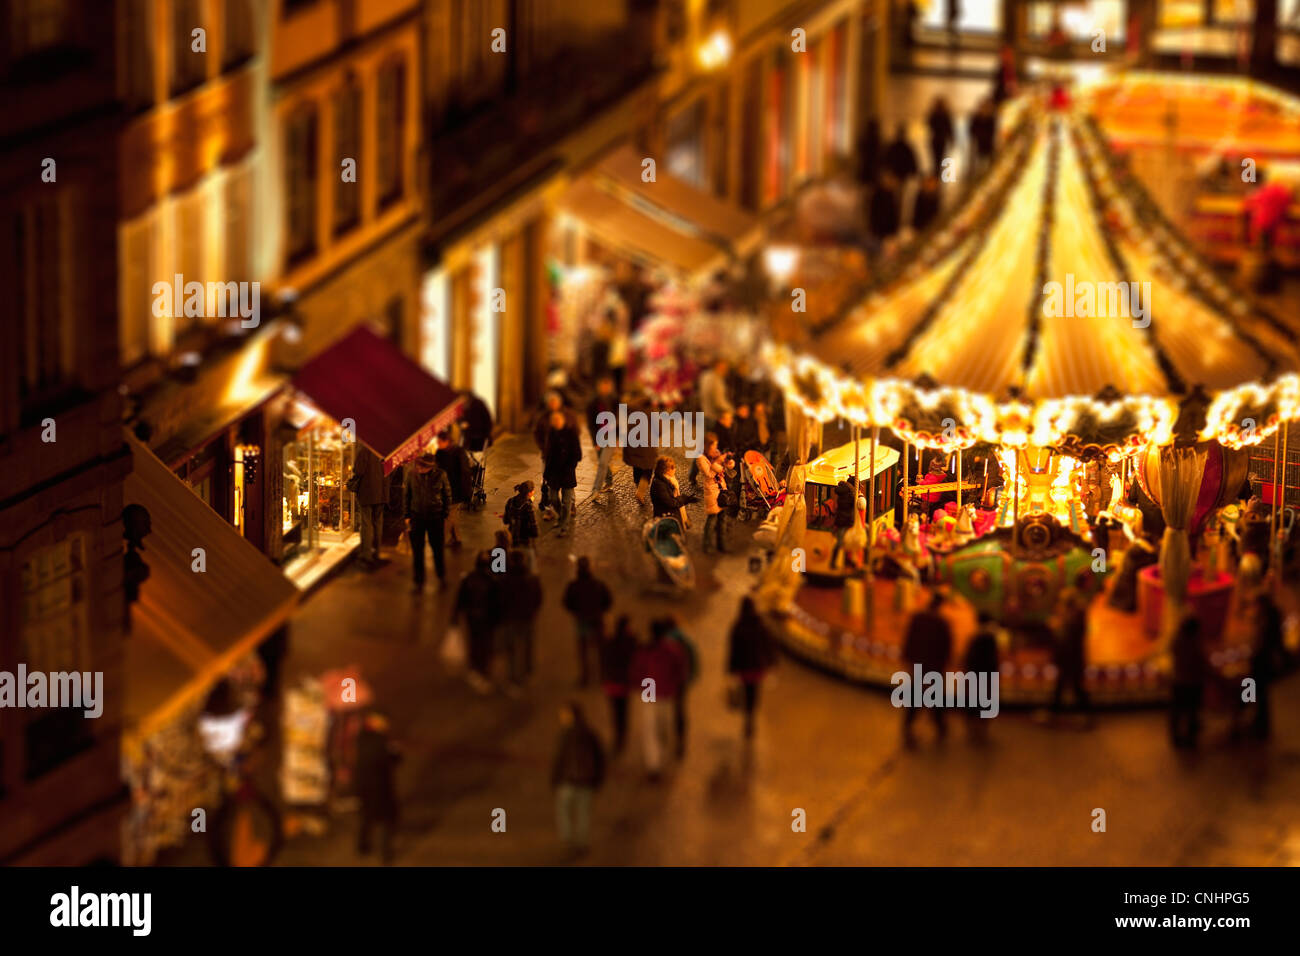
478 608
668 628
900 158
427 500
1267 660
869 152
983 135
371 488
928 642
475 422
981 658
926 207
1070 657
553 402
884 211
725 429
576 774
455 463
641 458
604 402
664 492
751 653
588 599
1188 684
939 122
376 784
616 652
520 519
744 433
523 590
562 453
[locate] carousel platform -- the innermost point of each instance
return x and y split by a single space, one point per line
1125 669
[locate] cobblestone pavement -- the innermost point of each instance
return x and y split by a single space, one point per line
823 746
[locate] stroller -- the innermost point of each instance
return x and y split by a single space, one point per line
665 541
760 491
478 478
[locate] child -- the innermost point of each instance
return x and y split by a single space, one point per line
521 519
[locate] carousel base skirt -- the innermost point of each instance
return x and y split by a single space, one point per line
1125 667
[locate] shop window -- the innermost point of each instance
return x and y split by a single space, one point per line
317 509
300 172
55 637
188 67
1080 22
347 145
391 131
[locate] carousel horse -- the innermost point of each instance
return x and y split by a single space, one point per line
914 550
964 532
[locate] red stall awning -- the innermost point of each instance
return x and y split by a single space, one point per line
397 406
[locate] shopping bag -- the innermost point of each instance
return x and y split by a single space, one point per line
453 646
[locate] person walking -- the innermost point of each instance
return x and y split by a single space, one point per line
576 774
673 633
884 212
376 784
925 209
475 422
454 461
616 652
588 599
900 159
1188 684
553 402
641 458
1267 660
942 134
981 658
983 135
1070 656
751 653
520 519
713 474
522 591
604 402
427 499
714 399
658 673
478 605
563 451
370 485
928 642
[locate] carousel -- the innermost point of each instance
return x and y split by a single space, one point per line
1053 393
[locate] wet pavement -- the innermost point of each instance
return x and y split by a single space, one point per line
823 746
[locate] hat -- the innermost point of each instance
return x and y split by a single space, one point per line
426 461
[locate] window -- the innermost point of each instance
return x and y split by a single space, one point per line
191 236
188 67
390 130
237 45
38 301
138 55
347 145
55 637
37 25
137 239
239 225
685 153
300 172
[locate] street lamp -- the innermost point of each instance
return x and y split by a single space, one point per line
779 261
715 50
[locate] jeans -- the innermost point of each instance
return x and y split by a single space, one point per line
518 643
372 530
603 477
573 813
936 714
751 705
566 507
386 826
655 719
480 647
432 529
1075 684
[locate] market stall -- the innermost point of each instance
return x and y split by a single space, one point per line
1060 326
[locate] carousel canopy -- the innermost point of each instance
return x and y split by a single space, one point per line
1055 307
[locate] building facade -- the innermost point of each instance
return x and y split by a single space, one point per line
64 459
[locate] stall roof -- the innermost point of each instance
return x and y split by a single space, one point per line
667 221
189 627
397 406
